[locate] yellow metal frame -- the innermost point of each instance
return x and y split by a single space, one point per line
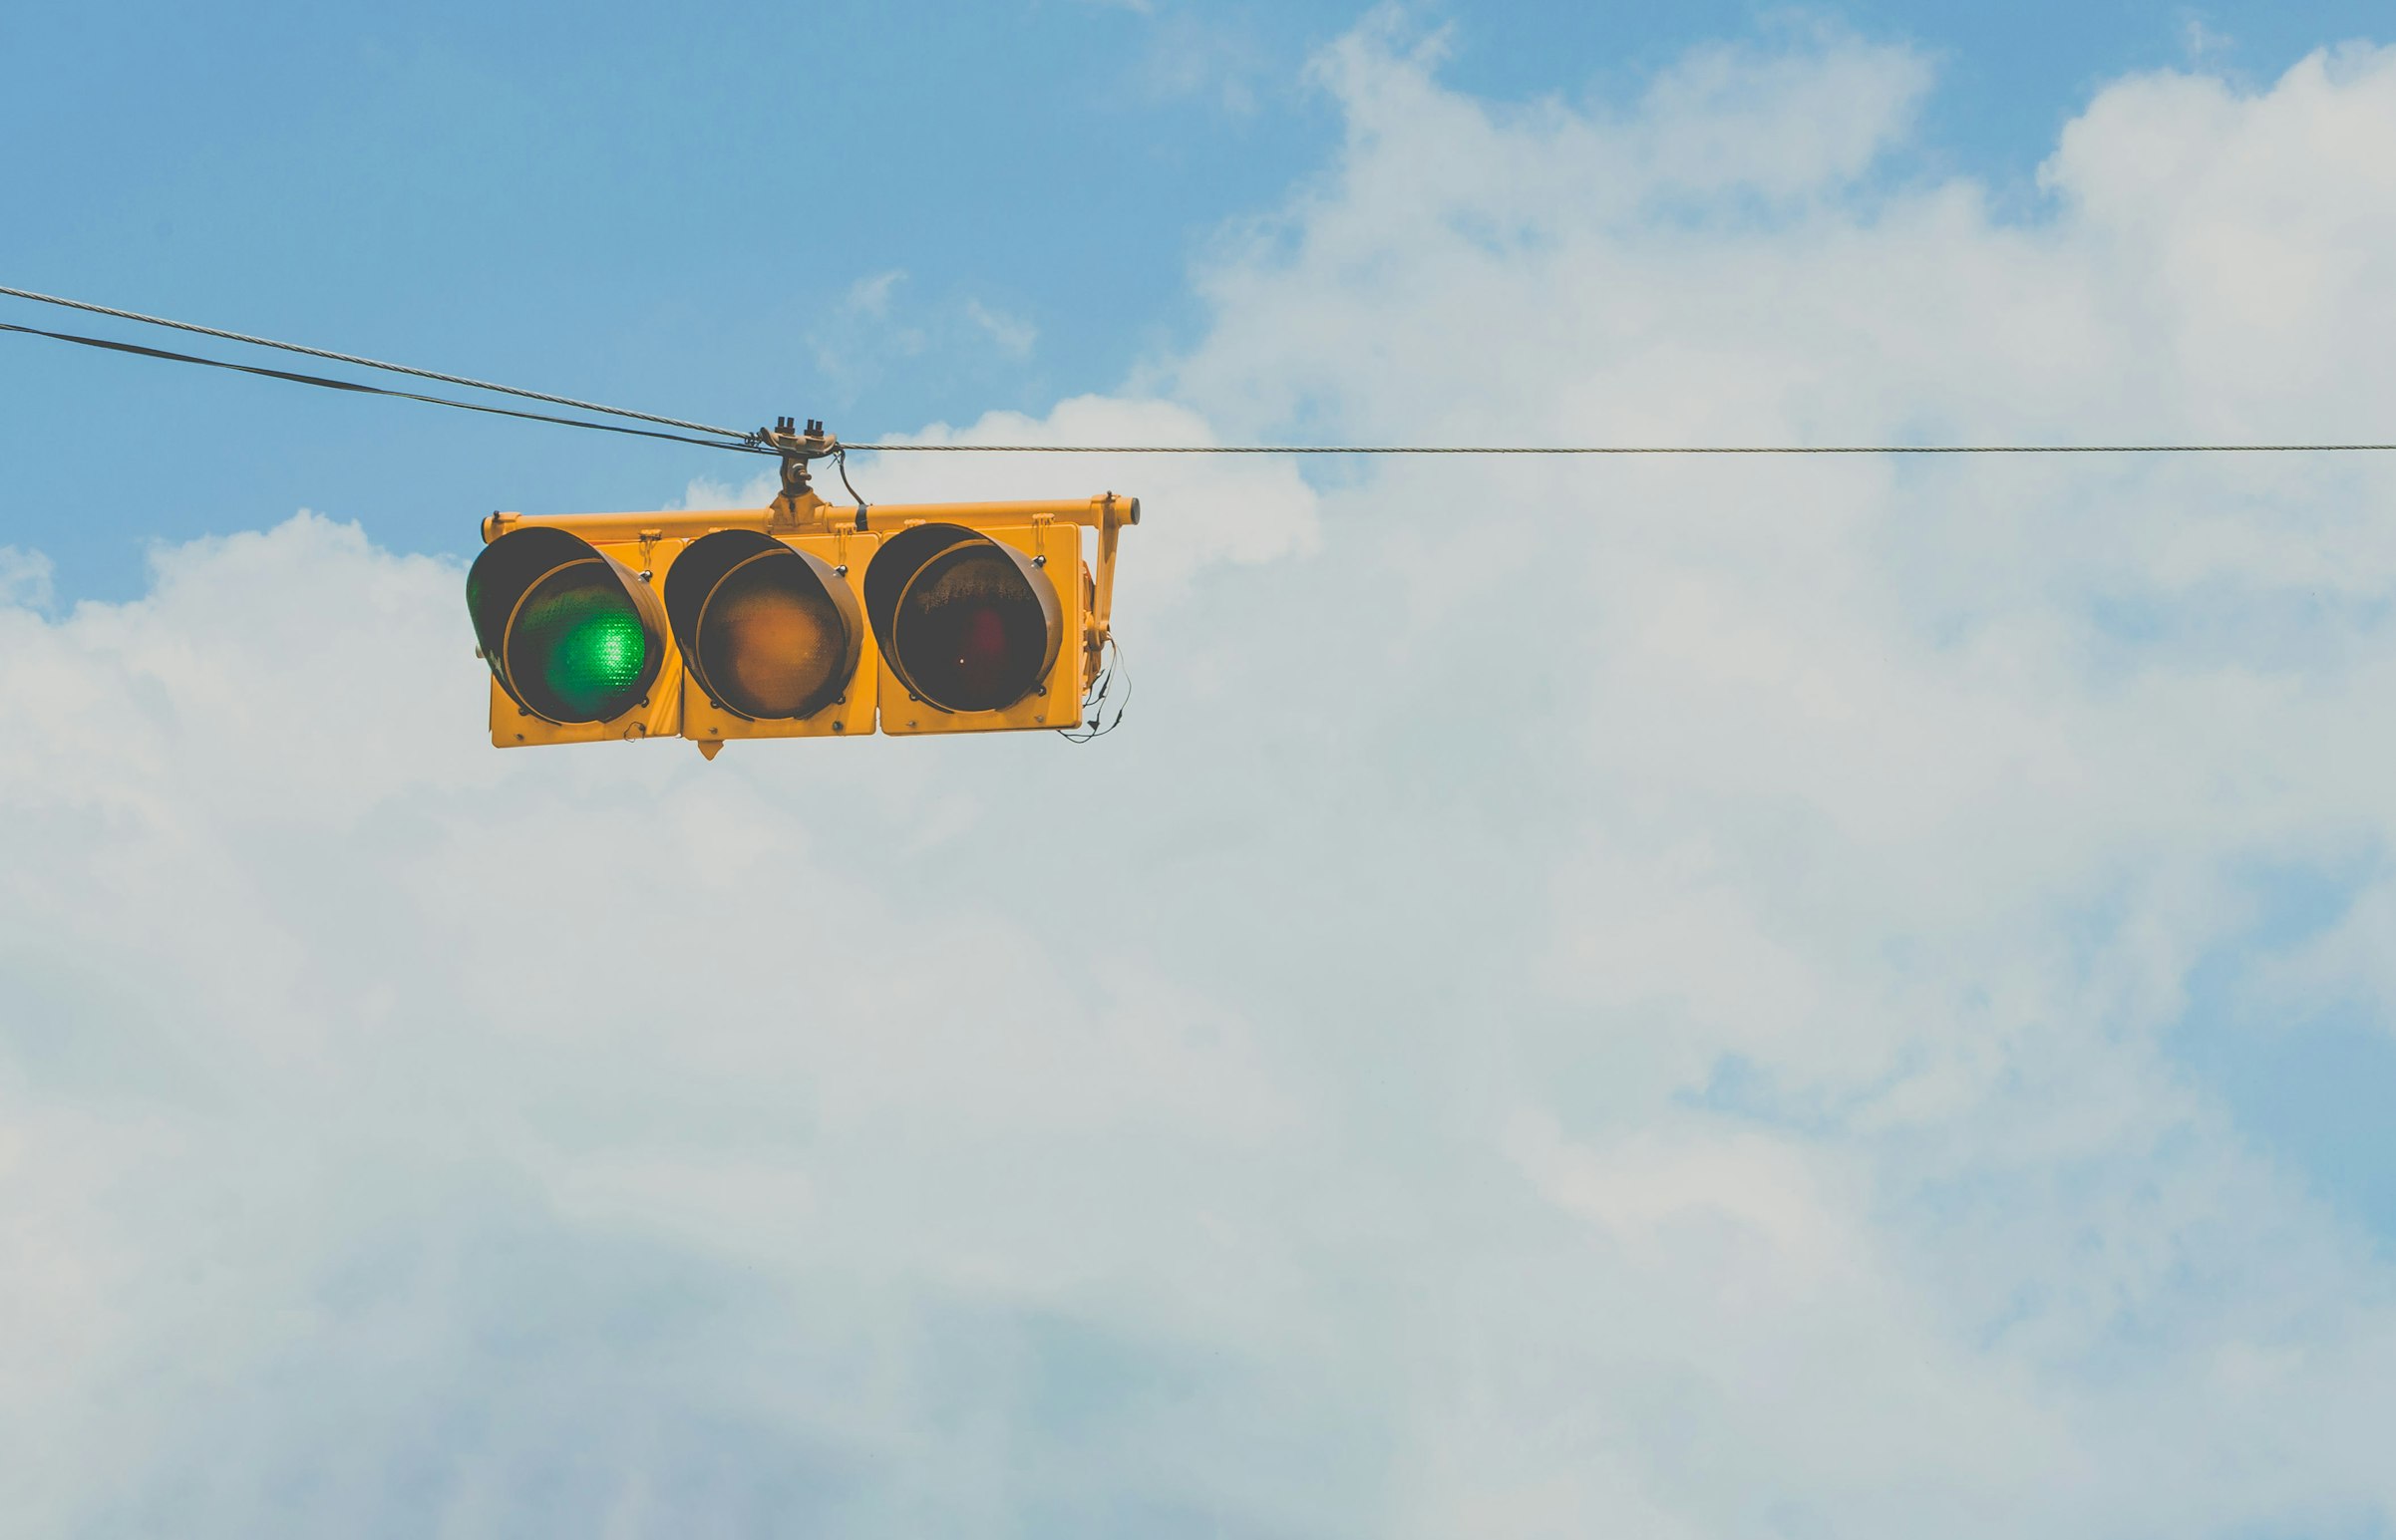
649 543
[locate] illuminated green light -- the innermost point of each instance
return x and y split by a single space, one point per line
582 635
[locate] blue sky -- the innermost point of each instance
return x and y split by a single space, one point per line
624 205
1697 998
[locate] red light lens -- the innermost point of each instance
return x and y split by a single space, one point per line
970 633
982 652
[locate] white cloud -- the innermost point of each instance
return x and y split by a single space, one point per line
24 577
873 327
1013 336
2200 41
1586 997
1203 510
708 491
1205 56
854 339
871 295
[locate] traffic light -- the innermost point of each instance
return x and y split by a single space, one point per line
972 628
797 620
577 642
772 638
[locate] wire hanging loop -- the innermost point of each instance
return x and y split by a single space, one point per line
1114 683
840 463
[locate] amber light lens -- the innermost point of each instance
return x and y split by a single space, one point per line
970 633
769 631
771 642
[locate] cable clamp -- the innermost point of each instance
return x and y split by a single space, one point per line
797 449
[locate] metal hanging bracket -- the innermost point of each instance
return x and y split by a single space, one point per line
798 451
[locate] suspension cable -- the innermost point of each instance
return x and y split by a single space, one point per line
361 389
369 363
1620 449
755 443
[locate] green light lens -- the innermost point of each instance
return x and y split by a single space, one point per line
580 636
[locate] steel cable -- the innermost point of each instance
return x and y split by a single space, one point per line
1535 448
734 438
358 388
371 363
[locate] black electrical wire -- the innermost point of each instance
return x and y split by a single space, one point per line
1620 449
733 439
1094 706
369 363
839 462
357 388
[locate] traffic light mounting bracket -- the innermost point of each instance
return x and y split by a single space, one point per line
798 451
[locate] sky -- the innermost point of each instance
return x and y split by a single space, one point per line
1696 998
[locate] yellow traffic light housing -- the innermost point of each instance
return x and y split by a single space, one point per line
577 643
773 636
973 626
797 620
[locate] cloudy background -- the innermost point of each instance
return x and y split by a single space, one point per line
1668 998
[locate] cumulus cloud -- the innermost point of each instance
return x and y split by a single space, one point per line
1587 998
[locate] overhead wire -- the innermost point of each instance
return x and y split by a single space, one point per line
360 387
1621 449
754 443
371 363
